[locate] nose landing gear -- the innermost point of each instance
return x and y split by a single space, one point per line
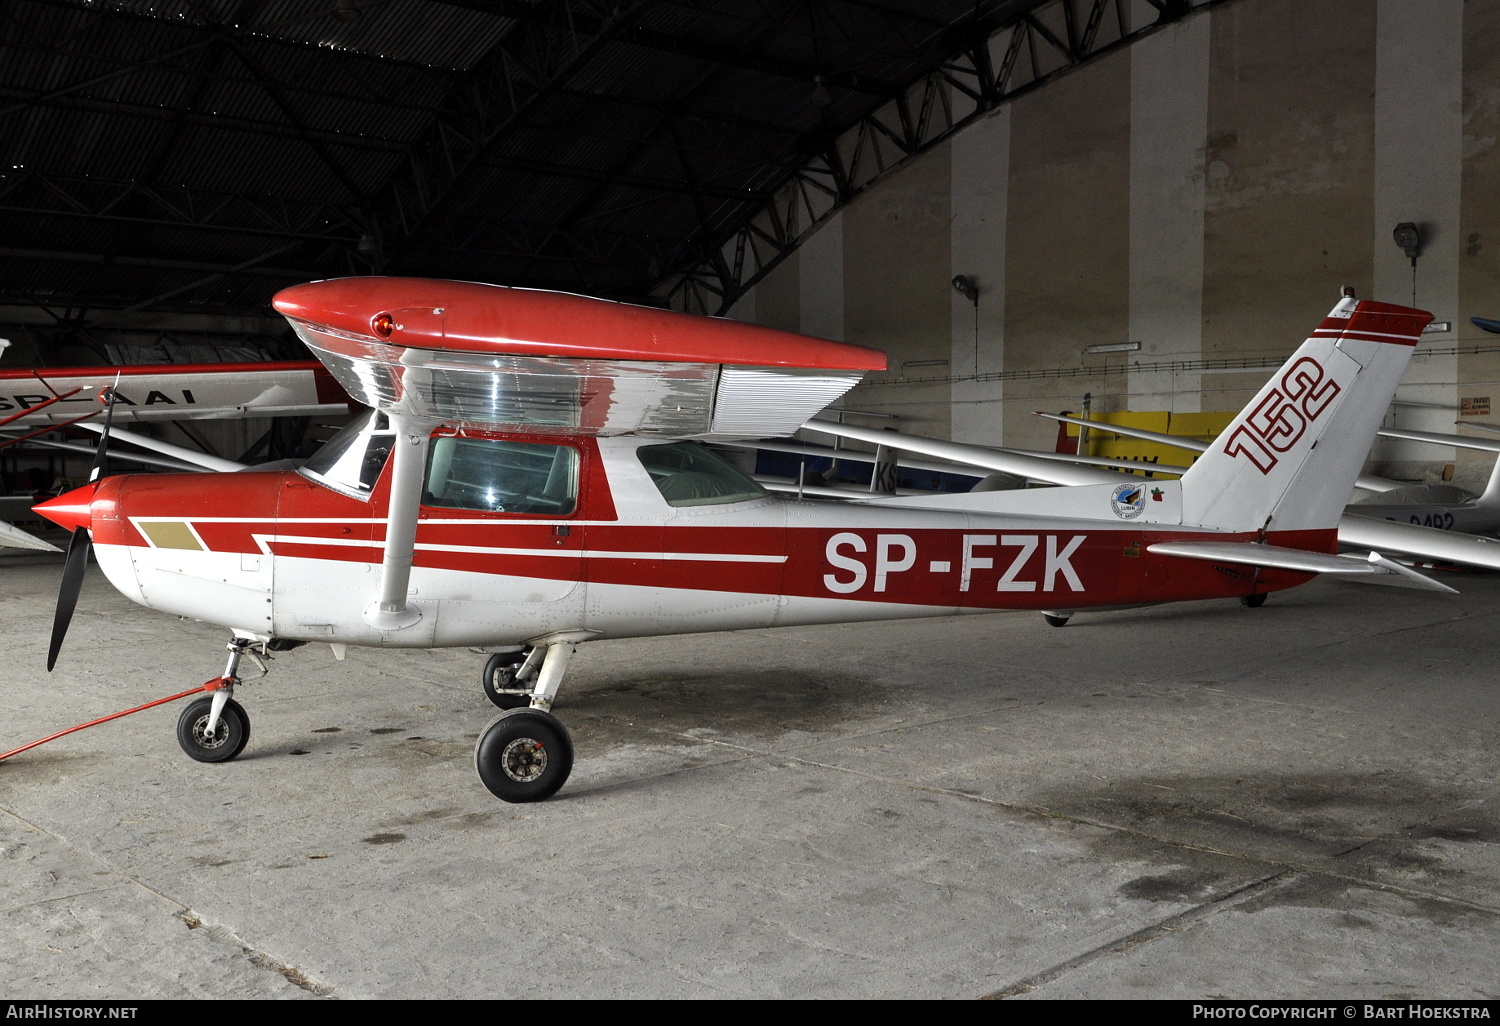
219 744
216 728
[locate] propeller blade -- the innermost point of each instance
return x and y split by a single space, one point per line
77 559
67 596
101 453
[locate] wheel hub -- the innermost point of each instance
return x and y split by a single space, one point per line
524 760
206 740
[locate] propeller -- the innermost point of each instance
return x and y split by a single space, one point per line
77 559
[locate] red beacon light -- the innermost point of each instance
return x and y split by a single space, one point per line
383 324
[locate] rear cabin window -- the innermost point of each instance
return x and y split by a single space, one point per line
498 476
687 474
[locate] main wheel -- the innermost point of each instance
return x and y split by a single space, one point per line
1056 621
1253 601
500 673
229 736
525 755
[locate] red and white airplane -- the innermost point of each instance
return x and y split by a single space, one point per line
530 476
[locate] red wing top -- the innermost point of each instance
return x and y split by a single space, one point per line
468 317
522 359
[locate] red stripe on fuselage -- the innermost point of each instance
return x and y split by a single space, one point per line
1005 566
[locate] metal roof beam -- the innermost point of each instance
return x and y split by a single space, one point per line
158 263
921 118
177 207
268 129
544 50
729 58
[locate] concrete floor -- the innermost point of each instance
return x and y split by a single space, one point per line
1182 802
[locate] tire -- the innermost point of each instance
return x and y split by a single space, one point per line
1253 601
524 755
1056 621
500 673
229 739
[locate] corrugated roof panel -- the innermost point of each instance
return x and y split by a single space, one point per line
434 34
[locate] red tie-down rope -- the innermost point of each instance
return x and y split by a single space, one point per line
212 685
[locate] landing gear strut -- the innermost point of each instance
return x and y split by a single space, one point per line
525 754
216 728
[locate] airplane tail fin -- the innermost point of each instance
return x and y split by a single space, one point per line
1490 497
1289 460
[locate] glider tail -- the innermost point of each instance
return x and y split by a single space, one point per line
1289 460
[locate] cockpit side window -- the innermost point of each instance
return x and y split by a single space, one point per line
496 475
351 461
687 474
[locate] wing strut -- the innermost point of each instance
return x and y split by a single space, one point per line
390 610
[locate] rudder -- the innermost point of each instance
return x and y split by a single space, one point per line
1289 460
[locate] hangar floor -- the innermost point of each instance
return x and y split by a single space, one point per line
1188 801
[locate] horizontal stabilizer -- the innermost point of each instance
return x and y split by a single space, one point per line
1373 566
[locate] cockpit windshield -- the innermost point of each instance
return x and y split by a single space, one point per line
350 462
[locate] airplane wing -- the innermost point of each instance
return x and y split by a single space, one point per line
1178 441
13 537
1032 466
1427 543
1437 438
35 397
524 359
1367 482
1355 531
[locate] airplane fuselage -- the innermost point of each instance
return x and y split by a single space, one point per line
282 554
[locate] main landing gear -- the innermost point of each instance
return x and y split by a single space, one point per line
215 728
1057 619
525 754
1253 601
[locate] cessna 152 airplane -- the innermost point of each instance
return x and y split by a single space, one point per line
529 477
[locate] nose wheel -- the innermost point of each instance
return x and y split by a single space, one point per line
215 728
219 743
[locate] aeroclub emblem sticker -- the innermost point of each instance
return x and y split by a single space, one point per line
1128 500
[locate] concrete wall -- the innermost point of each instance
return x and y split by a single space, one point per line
1205 193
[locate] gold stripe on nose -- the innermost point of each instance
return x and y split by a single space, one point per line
170 534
